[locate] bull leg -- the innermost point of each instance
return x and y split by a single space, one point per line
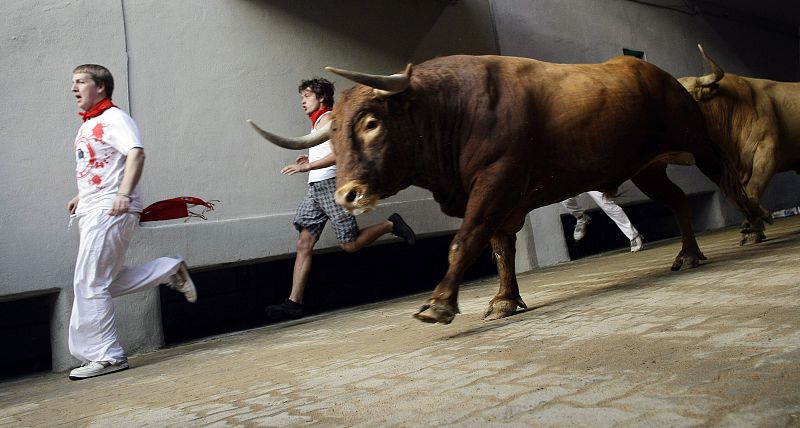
465 248
653 181
763 168
507 300
485 212
716 166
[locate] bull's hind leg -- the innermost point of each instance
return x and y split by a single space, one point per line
653 181
716 165
507 300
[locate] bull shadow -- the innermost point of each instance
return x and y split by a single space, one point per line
642 282
724 254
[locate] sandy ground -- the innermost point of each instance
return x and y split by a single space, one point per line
613 340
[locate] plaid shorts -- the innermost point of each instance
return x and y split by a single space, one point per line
318 206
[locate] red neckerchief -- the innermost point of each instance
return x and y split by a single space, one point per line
97 109
317 113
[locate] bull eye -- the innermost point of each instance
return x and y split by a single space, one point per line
371 124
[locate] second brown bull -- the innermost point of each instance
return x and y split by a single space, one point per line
495 137
756 122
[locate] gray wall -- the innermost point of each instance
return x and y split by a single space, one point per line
191 72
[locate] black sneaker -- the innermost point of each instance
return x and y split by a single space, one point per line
289 309
401 229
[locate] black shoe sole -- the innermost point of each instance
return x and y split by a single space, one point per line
281 316
402 229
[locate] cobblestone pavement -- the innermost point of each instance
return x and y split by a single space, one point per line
613 340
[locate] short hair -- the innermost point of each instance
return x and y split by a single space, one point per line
321 87
99 74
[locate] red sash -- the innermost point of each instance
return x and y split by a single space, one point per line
169 209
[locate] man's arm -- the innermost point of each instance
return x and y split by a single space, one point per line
134 164
302 165
305 165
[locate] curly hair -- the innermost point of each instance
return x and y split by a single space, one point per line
99 74
321 87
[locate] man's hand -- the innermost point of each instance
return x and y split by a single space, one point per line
72 205
134 164
301 165
120 205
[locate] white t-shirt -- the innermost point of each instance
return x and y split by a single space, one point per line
101 149
318 152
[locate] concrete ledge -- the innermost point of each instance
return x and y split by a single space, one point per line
211 243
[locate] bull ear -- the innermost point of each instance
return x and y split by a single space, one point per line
297 143
716 72
384 86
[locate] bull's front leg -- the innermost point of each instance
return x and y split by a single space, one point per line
507 300
763 168
465 248
492 198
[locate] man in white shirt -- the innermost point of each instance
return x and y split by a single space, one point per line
109 161
318 206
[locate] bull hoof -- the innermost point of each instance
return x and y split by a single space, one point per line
501 308
687 260
752 238
436 312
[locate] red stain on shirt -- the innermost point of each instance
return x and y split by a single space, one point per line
97 131
96 180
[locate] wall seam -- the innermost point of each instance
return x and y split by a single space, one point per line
493 19
127 56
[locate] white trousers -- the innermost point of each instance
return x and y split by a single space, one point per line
612 210
100 276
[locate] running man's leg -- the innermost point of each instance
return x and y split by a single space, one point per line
583 219
616 214
104 241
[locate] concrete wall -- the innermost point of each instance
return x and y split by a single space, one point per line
589 31
191 73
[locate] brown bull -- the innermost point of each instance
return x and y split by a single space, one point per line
495 137
756 122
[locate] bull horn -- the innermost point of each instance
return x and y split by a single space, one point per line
716 72
384 85
297 143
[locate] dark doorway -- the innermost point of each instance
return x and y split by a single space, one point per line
25 335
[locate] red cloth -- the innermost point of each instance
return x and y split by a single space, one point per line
317 113
97 109
169 209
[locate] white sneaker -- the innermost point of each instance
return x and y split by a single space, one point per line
96 368
182 282
580 227
637 243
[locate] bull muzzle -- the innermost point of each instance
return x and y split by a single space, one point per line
354 197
